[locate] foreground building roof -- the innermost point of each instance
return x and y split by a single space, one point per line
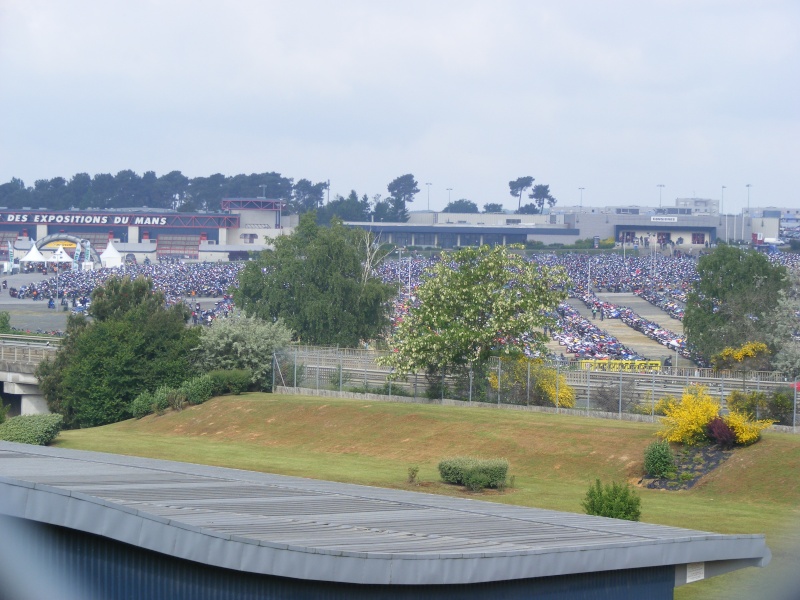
332 532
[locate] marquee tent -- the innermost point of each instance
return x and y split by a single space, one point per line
111 257
33 255
60 256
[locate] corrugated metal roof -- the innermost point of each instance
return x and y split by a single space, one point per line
309 529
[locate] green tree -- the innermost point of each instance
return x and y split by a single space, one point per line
492 207
730 301
783 327
307 196
319 281
240 342
133 344
475 297
540 195
518 186
345 209
461 206
402 191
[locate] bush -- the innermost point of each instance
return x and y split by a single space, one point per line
32 429
751 404
198 389
746 430
452 469
474 473
161 400
142 405
617 501
721 433
176 399
233 381
780 406
686 421
413 472
658 459
476 480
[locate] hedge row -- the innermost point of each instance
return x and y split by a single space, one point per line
32 429
474 473
192 391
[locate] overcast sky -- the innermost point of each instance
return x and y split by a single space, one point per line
613 96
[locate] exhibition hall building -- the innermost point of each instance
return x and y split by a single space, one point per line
250 224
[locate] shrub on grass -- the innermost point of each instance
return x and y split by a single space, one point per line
452 469
413 472
233 381
142 405
617 501
39 430
161 400
474 473
476 480
746 430
176 398
780 405
685 422
658 459
198 389
750 404
721 433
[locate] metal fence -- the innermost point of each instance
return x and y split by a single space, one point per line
620 387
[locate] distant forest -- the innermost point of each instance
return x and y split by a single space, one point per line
175 191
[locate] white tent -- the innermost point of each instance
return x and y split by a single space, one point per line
111 258
33 255
60 256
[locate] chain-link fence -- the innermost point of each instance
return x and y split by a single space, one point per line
626 389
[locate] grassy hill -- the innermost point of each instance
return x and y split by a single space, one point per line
554 459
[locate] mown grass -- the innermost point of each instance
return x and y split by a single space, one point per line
554 459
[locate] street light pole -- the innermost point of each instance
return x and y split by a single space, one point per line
748 209
722 210
448 194
660 187
429 194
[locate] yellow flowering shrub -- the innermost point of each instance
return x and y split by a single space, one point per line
663 404
747 430
752 352
685 421
514 382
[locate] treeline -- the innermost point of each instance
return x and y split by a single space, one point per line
175 191
127 189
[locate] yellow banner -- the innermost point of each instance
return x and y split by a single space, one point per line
55 244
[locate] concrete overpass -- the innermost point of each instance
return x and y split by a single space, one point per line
19 357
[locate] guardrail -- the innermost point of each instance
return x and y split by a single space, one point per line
26 354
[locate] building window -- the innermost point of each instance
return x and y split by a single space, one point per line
493 239
401 239
447 240
470 239
699 238
424 239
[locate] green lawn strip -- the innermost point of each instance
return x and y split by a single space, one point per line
554 459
